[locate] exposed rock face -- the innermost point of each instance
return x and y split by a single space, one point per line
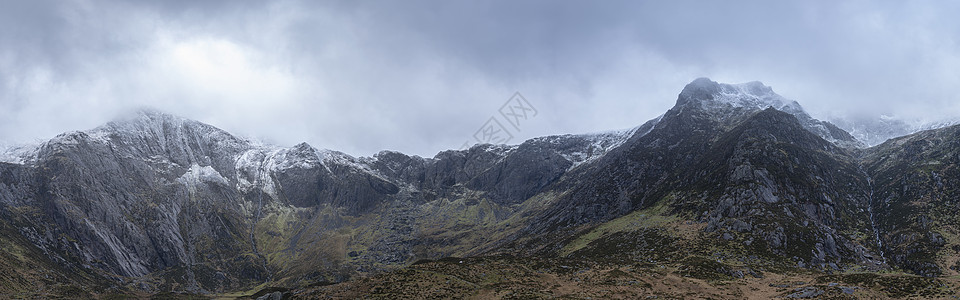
133 197
916 200
767 181
158 202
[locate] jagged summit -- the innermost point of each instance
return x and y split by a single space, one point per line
732 101
155 121
750 95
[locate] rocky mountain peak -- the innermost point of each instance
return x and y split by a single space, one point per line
160 124
710 94
302 147
727 102
699 89
157 135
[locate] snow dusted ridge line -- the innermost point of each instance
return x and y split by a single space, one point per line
256 166
753 95
197 174
600 144
18 154
876 130
725 100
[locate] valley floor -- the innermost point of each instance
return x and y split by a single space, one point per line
539 278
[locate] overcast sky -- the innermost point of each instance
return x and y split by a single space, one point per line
424 76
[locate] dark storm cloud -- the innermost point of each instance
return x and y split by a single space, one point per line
422 76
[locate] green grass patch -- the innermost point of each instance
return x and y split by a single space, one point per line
657 216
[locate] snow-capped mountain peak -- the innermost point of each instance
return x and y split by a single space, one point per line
147 123
751 95
728 101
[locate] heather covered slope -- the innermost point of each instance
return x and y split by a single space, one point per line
914 180
539 278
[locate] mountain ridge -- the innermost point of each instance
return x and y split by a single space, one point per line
160 203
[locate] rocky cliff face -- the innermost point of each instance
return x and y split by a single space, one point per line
733 173
759 180
913 181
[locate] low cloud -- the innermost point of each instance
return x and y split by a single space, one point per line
421 77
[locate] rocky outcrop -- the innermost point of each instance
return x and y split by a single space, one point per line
915 200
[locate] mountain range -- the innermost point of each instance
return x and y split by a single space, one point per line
733 182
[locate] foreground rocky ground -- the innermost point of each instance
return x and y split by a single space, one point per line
515 278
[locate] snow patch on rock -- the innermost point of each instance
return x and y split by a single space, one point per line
197 175
752 95
600 144
18 154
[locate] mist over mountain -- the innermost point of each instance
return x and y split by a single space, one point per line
733 186
423 77
873 131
